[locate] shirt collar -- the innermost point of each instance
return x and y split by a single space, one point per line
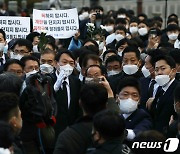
167 86
126 115
4 59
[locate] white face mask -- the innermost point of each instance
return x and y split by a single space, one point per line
35 48
46 68
133 30
130 69
85 15
15 56
142 31
30 73
112 72
177 44
109 29
5 49
119 37
110 38
127 105
173 36
162 80
145 72
1 46
121 16
67 69
78 67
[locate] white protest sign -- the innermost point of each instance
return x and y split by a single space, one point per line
15 27
57 23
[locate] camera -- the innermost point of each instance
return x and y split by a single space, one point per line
93 80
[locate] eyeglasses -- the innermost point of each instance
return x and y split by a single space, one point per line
21 52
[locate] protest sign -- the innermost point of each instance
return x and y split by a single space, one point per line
15 27
57 23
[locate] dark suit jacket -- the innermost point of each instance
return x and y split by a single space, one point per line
2 66
144 84
162 112
139 121
116 81
67 116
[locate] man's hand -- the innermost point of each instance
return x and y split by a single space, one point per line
105 83
149 103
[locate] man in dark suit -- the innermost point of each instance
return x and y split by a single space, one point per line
162 107
3 56
137 120
131 63
67 88
148 84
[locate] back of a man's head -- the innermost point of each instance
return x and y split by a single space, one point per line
10 83
109 124
93 98
8 106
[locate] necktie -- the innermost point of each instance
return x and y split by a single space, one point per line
151 88
65 94
1 61
160 92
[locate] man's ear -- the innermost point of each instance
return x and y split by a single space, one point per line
139 63
12 121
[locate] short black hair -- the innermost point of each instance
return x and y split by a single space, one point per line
131 49
12 61
3 33
64 51
121 28
173 14
120 20
26 58
10 83
6 135
8 106
121 42
93 98
32 35
142 15
113 58
128 82
169 60
109 51
144 22
176 94
173 20
109 124
90 56
92 41
24 42
108 21
175 54
153 53
158 18
172 27
121 11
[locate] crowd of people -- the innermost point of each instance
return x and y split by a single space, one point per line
113 83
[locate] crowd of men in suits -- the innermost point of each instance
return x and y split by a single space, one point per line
110 90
